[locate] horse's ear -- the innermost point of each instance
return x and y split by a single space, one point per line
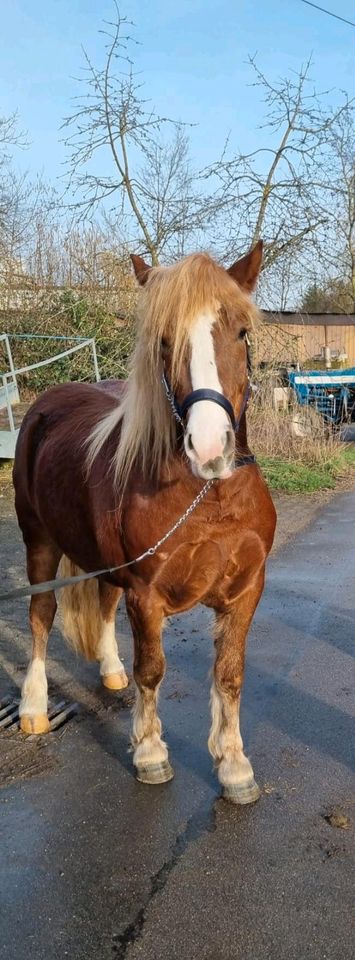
141 269
246 270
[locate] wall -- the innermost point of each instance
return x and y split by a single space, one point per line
297 343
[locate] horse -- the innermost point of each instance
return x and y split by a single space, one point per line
103 472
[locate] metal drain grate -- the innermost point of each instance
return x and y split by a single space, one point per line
58 714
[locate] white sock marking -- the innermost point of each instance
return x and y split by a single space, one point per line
107 652
34 690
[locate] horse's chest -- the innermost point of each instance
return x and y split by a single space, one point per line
185 575
200 571
207 565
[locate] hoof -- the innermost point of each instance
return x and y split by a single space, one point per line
115 681
37 724
154 772
241 792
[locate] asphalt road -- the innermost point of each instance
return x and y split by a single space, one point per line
96 866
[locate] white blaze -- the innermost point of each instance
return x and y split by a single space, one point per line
207 421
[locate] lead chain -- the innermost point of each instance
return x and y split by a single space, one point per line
152 550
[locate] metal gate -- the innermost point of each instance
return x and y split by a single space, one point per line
9 388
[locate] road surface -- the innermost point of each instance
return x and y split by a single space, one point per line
96 866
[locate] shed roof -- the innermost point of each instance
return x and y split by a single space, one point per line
287 317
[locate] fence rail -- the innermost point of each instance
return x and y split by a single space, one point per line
10 391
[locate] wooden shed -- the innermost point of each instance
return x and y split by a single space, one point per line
316 339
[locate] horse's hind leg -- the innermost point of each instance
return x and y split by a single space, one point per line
113 674
235 771
150 756
42 564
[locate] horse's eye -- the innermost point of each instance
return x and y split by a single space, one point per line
242 334
164 345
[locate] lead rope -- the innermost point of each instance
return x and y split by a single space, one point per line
46 585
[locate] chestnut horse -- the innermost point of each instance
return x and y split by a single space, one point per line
103 474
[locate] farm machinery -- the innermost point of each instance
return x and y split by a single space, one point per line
330 392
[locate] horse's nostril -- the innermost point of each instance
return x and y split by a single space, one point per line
229 443
189 443
215 466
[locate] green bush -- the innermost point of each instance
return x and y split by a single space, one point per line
68 315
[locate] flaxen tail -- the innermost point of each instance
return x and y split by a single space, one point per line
79 606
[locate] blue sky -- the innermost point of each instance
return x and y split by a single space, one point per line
191 56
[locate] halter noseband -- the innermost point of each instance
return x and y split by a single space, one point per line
204 394
195 397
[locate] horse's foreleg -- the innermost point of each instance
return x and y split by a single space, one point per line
42 563
225 743
112 671
150 756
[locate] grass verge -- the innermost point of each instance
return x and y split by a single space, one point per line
293 476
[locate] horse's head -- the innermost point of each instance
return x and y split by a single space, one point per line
201 314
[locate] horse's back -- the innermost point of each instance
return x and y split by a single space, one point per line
54 432
71 405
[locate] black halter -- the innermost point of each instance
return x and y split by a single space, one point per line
180 410
204 393
196 396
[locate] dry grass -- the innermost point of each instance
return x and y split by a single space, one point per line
296 434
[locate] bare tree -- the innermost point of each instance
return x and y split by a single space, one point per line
21 199
338 254
273 192
331 281
150 182
10 186
170 194
10 136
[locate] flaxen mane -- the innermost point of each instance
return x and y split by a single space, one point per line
169 304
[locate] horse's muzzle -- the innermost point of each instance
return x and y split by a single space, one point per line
211 459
